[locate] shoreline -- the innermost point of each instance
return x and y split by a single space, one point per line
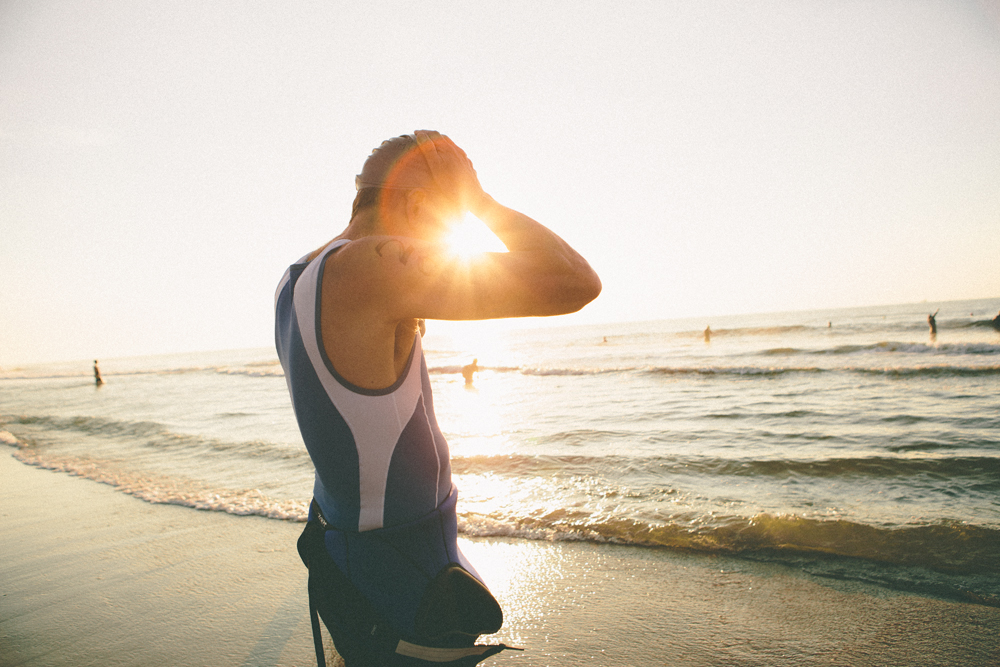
816 558
91 575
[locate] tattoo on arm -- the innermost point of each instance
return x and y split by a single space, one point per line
405 251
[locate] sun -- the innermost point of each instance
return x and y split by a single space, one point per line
470 237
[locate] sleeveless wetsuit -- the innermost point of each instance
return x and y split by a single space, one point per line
383 485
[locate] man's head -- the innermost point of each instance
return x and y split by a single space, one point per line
396 164
398 185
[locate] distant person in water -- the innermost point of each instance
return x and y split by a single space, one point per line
469 371
996 321
932 323
708 334
97 374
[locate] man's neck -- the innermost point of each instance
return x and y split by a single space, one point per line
365 223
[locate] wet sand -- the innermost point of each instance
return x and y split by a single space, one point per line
91 576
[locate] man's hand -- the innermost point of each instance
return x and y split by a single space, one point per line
450 168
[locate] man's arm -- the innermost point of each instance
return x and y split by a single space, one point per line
558 279
540 275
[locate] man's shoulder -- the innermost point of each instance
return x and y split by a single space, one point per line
390 276
386 257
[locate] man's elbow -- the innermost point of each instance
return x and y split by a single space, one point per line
573 295
590 290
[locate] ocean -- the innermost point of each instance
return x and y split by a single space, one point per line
845 444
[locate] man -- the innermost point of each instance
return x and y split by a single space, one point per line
385 572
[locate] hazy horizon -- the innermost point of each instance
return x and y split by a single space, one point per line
464 329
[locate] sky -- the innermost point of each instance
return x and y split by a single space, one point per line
161 163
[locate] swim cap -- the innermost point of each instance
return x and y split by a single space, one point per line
397 164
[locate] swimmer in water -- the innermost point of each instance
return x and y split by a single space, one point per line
469 371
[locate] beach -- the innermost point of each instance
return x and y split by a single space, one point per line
805 488
92 576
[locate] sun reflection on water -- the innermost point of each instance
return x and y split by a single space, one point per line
521 576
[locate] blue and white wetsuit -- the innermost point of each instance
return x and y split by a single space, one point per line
383 470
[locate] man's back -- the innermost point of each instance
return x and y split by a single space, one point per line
380 457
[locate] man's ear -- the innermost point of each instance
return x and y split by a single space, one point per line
416 201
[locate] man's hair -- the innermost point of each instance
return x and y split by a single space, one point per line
397 164
366 198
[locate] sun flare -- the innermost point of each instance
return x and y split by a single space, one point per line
470 237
